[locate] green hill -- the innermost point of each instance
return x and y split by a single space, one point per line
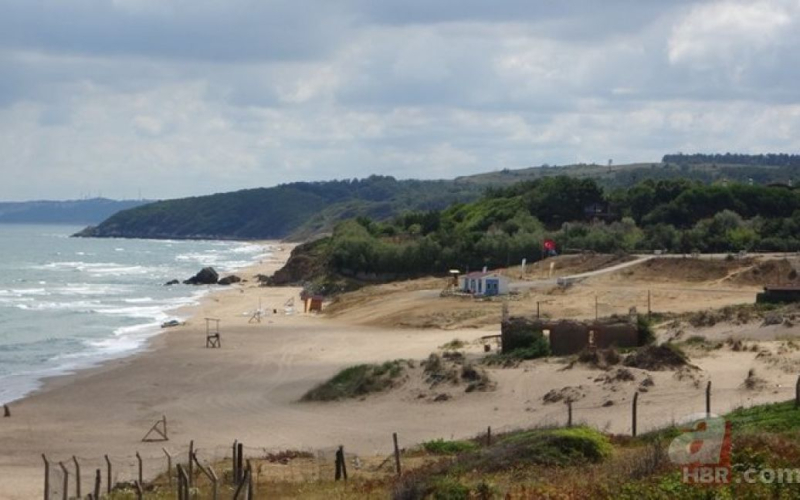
303 210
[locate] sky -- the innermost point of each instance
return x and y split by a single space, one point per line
172 98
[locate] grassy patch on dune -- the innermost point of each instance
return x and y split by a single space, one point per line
359 380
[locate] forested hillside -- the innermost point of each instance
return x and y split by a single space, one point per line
306 209
301 209
510 223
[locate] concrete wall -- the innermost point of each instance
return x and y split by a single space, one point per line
570 337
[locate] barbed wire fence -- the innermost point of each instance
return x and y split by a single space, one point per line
238 471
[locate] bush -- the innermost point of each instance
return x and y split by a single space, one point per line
449 489
442 447
358 381
557 447
644 330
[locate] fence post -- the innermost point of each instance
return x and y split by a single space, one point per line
46 477
250 495
214 481
169 467
65 493
708 399
139 460
489 436
233 461
240 488
77 476
569 413
239 462
98 475
108 465
191 465
633 415
183 483
396 454
139 492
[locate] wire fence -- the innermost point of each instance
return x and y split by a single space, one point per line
94 477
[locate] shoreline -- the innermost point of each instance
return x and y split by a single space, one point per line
156 339
44 380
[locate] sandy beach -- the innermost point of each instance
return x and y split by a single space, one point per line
248 390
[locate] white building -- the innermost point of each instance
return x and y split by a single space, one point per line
484 283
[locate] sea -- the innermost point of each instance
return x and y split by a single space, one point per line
72 303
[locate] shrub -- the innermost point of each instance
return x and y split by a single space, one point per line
644 331
442 447
358 381
449 489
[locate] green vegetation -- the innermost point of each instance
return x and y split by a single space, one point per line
779 417
304 209
510 223
442 447
453 345
577 462
357 381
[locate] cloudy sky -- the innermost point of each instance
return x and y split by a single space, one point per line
181 97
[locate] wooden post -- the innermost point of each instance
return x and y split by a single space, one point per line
139 460
396 454
239 461
46 477
6 411
169 466
108 465
489 436
98 477
341 467
214 482
649 310
77 476
166 435
210 474
65 493
708 399
569 413
250 481
633 414
183 483
234 461
240 488
344 463
139 492
537 309
797 393
191 465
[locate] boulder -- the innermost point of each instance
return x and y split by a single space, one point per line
229 280
172 282
206 276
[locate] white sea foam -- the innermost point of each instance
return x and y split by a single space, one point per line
73 307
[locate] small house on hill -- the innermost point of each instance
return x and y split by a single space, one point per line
484 283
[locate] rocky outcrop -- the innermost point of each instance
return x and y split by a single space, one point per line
229 280
206 276
172 282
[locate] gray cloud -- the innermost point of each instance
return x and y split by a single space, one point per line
188 97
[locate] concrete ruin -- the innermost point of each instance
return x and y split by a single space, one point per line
569 336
